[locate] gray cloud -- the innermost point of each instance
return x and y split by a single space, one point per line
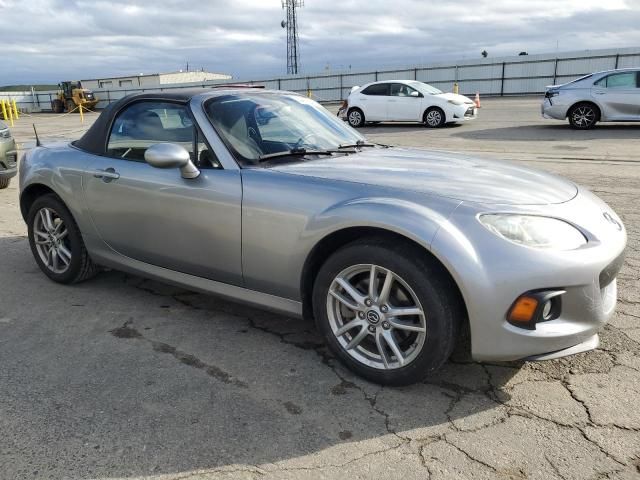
50 40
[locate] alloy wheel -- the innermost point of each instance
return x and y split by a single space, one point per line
583 116
376 317
51 240
434 117
355 118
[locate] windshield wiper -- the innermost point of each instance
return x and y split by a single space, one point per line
294 152
358 144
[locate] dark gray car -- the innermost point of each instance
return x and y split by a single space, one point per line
265 197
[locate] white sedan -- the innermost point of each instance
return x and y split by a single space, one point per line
405 101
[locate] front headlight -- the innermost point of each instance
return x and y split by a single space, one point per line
534 231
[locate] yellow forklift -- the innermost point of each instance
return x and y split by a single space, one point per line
71 95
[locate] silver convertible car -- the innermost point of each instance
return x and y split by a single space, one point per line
265 197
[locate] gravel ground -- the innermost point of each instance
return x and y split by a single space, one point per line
121 377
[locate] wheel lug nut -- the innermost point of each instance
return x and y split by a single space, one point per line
384 309
372 328
386 325
361 314
368 302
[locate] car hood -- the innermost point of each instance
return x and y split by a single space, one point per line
455 97
449 175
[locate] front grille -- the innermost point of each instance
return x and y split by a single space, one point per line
611 271
12 159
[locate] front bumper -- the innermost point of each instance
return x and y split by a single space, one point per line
463 113
492 272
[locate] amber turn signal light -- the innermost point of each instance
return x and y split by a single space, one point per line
523 310
535 306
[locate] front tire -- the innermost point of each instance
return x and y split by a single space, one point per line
4 183
386 311
56 242
434 117
71 105
583 116
356 118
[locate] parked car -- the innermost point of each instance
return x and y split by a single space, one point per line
611 96
8 156
405 101
266 198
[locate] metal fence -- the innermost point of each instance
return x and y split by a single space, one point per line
518 75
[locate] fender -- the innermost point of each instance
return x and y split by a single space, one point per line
41 166
404 217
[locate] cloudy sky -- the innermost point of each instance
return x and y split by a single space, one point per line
51 40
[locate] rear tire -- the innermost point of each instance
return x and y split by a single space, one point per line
57 106
583 116
4 183
424 340
434 117
356 119
56 242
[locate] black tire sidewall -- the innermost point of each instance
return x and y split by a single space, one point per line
75 239
441 310
4 183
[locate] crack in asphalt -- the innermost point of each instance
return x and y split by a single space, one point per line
493 392
554 467
126 331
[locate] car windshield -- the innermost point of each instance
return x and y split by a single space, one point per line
256 126
425 88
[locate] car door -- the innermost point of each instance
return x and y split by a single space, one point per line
405 103
618 95
154 215
374 100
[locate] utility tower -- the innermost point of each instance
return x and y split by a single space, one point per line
291 24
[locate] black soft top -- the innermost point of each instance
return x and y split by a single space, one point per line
95 139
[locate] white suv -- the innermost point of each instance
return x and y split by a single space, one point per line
405 101
611 96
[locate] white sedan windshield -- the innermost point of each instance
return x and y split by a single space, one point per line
255 125
425 88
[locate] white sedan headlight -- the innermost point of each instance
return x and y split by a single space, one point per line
534 231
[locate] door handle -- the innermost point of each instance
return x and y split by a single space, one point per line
107 174
599 93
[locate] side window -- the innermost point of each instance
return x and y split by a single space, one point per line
378 89
618 80
401 90
143 124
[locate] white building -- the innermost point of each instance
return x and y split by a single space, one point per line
152 80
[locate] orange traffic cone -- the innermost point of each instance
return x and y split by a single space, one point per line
477 100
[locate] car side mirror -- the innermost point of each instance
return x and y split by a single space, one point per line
415 94
170 155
